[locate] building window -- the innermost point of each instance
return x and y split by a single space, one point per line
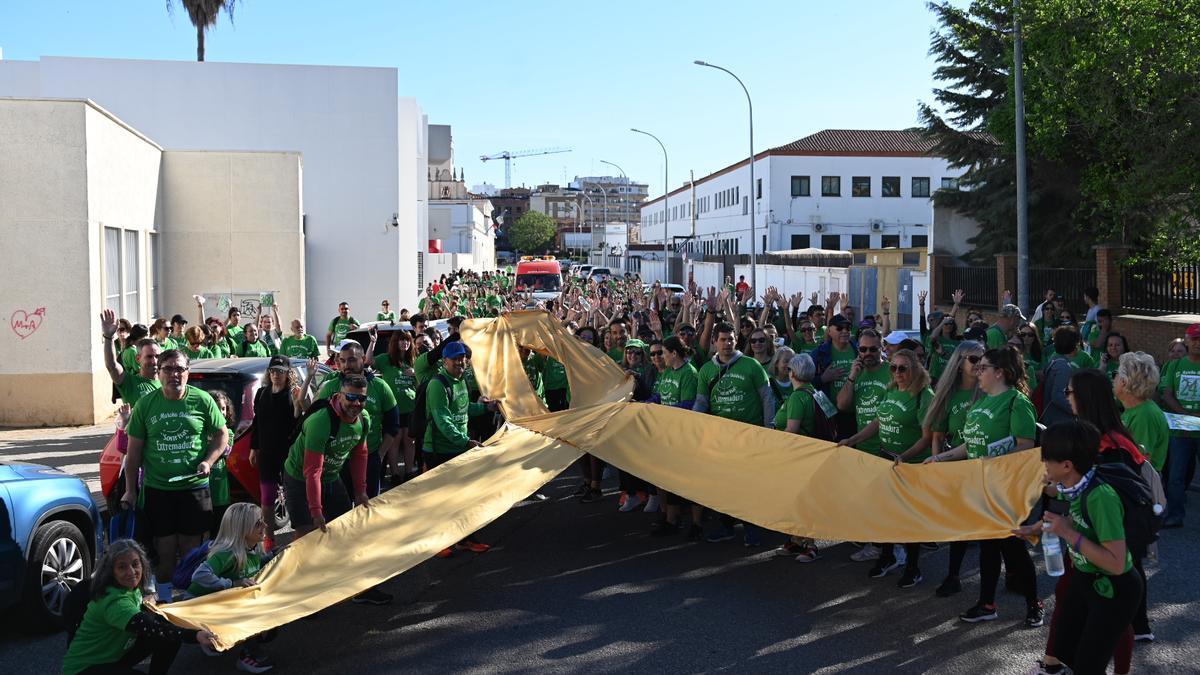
764 244
858 241
890 186
800 241
152 272
831 242
920 187
831 186
112 270
890 241
860 186
920 241
949 183
800 186
122 263
745 206
758 188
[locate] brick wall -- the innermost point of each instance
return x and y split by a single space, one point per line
1152 334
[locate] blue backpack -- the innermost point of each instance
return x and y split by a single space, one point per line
186 567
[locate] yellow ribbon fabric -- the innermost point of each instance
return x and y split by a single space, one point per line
783 482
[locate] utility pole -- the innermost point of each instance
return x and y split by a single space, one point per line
1022 187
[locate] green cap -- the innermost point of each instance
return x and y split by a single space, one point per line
630 344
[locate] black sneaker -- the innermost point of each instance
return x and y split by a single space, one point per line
1034 616
949 587
979 612
910 579
695 532
373 596
581 490
930 546
593 495
663 528
882 567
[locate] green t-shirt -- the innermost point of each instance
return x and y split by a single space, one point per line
446 430
404 387
676 385
1083 360
956 415
386 316
617 354
224 564
1108 524
424 368
1148 425
938 358
1032 368
735 395
197 354
781 390
258 348
996 422
996 338
102 638
177 436
314 437
134 387
870 388
554 373
1182 377
380 399
303 347
129 359
799 406
235 333
533 372
900 418
340 327
801 347
844 359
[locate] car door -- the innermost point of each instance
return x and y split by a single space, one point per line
11 560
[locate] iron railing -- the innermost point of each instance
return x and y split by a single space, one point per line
1155 289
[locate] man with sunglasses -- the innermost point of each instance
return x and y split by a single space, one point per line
339 326
383 413
176 433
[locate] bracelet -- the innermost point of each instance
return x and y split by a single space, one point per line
106 337
1079 542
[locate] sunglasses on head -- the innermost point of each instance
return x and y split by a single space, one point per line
974 358
354 398
898 368
867 350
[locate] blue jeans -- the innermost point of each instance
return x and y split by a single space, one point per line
1180 456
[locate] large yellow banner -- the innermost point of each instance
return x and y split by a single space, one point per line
780 481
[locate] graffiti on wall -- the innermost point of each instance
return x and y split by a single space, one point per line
25 323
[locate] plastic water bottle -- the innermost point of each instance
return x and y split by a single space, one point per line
1052 553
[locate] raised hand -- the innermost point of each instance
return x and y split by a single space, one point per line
833 298
108 323
1007 297
655 323
814 299
959 296
845 300
921 297
886 304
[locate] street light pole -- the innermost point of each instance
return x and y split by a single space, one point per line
1022 187
604 228
753 199
666 212
592 208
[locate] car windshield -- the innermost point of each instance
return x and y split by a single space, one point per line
539 282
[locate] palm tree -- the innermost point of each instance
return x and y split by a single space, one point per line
203 14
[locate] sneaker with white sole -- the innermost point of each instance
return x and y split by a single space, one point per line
979 612
808 554
631 502
867 552
882 567
788 550
910 579
250 663
1143 637
652 503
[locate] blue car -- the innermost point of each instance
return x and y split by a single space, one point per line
50 536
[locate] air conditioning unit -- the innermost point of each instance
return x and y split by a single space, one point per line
877 225
818 227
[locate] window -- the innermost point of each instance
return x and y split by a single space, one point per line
122 281
920 186
860 241
890 187
764 244
152 270
831 186
745 206
800 186
911 258
890 241
949 183
758 188
112 270
920 241
860 186
800 241
831 242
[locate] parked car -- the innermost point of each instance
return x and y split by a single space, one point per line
239 379
677 290
50 537
600 274
582 271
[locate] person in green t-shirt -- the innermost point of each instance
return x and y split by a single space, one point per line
1003 421
132 385
1114 346
339 326
618 335
233 327
554 382
385 313
798 415
312 470
117 631
1134 386
865 387
675 386
1181 396
396 368
299 345
381 411
176 435
1010 318
194 344
1105 592
252 346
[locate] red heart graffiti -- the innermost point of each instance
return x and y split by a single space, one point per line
24 324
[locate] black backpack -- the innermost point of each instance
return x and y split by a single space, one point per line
1141 523
419 420
335 420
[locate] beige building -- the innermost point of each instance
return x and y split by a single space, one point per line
96 215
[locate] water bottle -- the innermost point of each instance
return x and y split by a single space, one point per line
1052 552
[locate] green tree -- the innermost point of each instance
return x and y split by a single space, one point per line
532 232
203 15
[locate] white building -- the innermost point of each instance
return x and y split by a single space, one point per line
835 190
459 221
363 149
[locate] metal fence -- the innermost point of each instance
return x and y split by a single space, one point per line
1154 289
979 283
1067 283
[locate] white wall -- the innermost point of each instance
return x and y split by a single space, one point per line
707 274
789 279
363 149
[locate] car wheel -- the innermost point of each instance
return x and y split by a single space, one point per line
283 520
59 560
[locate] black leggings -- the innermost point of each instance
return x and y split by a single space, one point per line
1090 625
161 652
958 551
1020 565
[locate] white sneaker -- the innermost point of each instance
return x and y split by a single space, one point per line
868 552
631 502
651 504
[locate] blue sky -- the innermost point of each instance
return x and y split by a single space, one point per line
521 75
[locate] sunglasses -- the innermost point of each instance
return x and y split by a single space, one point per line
896 368
867 350
354 398
974 358
656 353
984 366
173 369
687 332
807 329
757 341
1027 336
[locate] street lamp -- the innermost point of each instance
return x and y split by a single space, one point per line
592 209
753 200
604 228
666 213
1023 295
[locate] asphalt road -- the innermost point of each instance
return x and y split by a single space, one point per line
575 587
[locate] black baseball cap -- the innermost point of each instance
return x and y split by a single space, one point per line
178 318
279 362
839 321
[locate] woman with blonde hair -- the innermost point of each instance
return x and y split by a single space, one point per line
1134 386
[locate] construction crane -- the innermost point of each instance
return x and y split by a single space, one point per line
508 156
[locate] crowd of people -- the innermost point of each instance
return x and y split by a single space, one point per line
956 388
